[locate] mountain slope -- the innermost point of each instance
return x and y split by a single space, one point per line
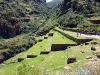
15 13
72 13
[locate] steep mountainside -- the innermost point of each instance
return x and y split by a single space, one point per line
15 13
74 13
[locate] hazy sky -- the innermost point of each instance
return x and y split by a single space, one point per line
48 0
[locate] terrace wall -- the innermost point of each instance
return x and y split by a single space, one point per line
79 41
58 47
95 21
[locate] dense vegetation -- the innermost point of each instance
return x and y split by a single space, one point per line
76 13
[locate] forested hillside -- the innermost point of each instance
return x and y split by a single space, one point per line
18 16
19 19
39 38
77 13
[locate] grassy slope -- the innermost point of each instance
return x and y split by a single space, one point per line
54 61
73 34
62 39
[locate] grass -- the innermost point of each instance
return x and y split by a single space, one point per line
94 18
62 39
35 50
73 34
18 40
54 61
3 50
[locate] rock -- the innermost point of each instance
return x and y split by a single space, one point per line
86 43
82 51
93 48
88 57
98 55
81 44
7 31
94 43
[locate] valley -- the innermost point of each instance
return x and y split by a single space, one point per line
60 37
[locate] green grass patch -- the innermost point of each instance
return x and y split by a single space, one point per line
73 34
61 39
54 61
45 45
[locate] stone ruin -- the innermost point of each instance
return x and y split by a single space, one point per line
50 34
31 56
93 48
58 47
20 59
45 37
44 52
86 43
71 60
98 55
40 40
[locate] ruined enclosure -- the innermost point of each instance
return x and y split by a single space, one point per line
71 60
58 47
40 40
31 56
79 41
44 52
50 34
20 59
45 37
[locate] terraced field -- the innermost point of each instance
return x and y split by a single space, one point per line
55 61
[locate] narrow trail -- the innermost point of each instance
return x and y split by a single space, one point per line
91 36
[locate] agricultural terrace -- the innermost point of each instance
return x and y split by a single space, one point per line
55 61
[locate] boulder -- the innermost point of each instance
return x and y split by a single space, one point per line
82 51
93 48
88 57
98 55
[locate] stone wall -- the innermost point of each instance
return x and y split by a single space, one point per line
58 47
79 41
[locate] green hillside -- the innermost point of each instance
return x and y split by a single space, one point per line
55 38
55 61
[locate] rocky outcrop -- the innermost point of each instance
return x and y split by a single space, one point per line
9 30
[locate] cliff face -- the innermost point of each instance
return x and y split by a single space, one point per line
7 31
9 21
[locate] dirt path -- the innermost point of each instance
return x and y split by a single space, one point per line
91 36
